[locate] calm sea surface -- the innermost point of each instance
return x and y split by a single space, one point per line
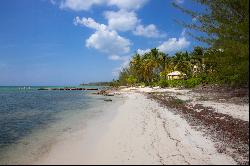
23 111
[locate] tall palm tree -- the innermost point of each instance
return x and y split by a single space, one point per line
163 61
181 62
197 58
136 66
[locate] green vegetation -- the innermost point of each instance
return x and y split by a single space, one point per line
225 61
151 69
224 25
189 83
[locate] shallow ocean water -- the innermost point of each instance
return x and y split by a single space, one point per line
31 120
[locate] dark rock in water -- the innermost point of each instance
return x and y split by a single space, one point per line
107 100
109 95
43 89
80 88
66 88
92 89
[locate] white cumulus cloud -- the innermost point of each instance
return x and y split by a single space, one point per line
149 31
124 20
118 58
104 39
114 57
141 52
108 42
84 5
79 5
128 4
174 44
89 22
121 20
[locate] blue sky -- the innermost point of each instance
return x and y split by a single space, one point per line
67 42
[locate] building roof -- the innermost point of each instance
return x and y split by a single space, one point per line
176 73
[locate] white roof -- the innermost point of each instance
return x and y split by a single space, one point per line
176 73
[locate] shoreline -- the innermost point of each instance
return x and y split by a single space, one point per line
67 122
140 131
75 146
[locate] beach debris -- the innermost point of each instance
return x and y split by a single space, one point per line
228 131
109 94
107 99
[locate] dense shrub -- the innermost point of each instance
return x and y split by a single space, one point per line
189 83
171 83
176 83
163 83
131 80
142 84
192 82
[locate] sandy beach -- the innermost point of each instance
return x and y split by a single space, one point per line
138 131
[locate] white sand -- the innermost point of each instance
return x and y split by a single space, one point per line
140 132
236 111
239 111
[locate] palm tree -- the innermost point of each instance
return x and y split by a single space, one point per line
136 66
181 62
148 66
163 61
197 58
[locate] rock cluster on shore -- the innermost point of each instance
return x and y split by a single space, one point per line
106 92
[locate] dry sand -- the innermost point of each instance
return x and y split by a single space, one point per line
240 111
139 132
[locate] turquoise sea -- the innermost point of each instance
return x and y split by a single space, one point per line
30 119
